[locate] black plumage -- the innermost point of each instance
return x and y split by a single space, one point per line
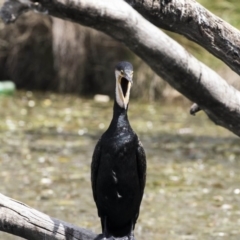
118 170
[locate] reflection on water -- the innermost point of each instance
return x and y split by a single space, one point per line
192 191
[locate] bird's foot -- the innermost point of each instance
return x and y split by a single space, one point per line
103 237
131 237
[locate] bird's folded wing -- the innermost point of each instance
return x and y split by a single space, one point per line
142 165
94 167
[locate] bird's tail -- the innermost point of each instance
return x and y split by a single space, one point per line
129 236
111 231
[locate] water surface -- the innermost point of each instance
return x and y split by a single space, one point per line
192 191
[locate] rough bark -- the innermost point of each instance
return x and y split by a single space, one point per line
166 57
23 221
189 18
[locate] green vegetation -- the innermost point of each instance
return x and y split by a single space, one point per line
228 10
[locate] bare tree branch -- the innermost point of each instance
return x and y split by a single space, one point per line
23 221
166 57
189 18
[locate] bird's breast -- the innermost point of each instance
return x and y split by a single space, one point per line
118 175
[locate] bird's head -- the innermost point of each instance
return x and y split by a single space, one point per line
124 76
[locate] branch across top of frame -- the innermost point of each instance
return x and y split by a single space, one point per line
166 57
192 20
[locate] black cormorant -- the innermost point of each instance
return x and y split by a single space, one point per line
118 170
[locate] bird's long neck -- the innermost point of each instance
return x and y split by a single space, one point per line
120 118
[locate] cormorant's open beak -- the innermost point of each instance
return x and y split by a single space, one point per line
126 82
123 85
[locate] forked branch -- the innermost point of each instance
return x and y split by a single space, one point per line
166 57
192 20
